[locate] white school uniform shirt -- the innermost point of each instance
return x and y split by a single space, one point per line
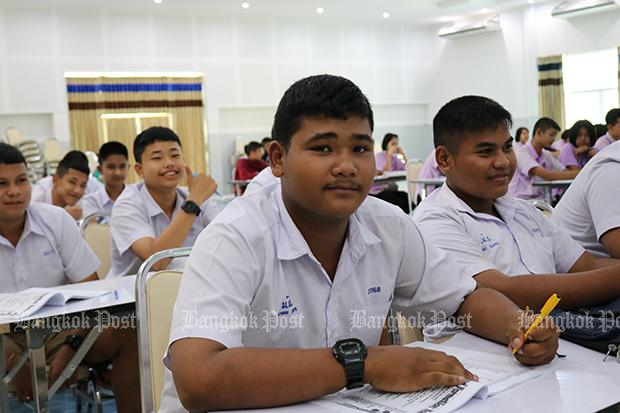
50 252
136 215
97 201
253 265
591 205
264 178
42 190
524 242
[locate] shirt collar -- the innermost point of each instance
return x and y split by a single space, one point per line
290 243
503 206
532 151
153 209
610 140
30 226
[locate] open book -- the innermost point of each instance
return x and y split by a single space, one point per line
496 372
27 302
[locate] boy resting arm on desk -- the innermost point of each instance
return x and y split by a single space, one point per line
502 241
309 267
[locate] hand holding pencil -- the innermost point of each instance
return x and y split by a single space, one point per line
534 338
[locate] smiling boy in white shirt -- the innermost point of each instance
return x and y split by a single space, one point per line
273 288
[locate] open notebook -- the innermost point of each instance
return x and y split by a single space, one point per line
28 302
496 372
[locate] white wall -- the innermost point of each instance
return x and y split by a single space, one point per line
247 66
502 65
406 71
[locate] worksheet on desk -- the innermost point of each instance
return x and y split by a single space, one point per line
497 373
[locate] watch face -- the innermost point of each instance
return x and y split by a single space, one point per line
350 348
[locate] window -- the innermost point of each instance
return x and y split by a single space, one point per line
590 85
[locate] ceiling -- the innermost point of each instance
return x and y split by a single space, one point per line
411 11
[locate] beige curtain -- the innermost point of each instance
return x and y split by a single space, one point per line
118 108
551 88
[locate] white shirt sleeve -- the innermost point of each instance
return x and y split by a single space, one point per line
566 251
216 290
38 193
78 259
447 233
429 281
602 196
128 224
89 205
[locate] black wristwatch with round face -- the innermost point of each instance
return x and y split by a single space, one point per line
351 353
191 207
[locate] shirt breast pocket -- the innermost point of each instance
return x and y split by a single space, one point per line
539 256
367 321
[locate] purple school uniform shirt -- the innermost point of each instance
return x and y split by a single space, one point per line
559 144
528 159
568 158
429 170
380 160
603 141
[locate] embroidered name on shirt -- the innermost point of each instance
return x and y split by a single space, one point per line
374 290
486 243
48 253
287 307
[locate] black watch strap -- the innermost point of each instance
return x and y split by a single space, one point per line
355 374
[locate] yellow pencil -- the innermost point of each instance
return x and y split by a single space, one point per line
547 308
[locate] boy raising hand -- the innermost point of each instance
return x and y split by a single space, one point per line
157 214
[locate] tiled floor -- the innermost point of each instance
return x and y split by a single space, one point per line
63 402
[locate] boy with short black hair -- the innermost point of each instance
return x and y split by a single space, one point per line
612 119
306 253
249 167
157 214
535 162
68 184
40 246
113 167
504 242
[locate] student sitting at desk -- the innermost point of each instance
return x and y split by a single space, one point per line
590 208
68 184
504 242
157 214
40 246
113 167
534 162
578 151
613 130
299 259
388 161
429 170
247 168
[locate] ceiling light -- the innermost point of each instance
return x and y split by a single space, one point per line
530 1
245 5
157 1
385 15
485 10
320 10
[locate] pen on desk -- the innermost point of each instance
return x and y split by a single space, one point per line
547 308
